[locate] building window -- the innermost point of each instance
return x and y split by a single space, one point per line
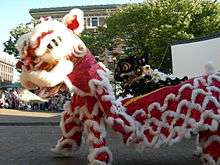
94 22
101 21
88 22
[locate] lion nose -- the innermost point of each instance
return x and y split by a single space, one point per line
28 61
19 64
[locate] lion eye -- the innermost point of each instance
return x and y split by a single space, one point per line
24 43
55 42
37 60
59 38
49 46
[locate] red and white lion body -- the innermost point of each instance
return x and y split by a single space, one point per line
52 55
174 112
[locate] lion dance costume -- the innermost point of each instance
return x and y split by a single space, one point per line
54 57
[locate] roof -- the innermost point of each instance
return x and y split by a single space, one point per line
90 7
197 39
14 85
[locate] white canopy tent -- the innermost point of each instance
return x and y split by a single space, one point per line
190 57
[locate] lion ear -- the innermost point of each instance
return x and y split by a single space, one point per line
74 21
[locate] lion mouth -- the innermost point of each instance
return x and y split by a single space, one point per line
47 92
45 62
38 65
39 95
44 74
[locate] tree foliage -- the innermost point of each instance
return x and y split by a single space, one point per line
152 25
155 24
15 33
97 41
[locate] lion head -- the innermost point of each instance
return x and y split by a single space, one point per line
48 53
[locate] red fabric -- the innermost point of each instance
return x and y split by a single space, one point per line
213 148
148 135
100 144
85 70
68 127
103 156
158 96
38 42
169 120
141 118
160 106
19 64
156 113
96 133
77 137
67 146
82 73
165 131
73 23
195 114
206 134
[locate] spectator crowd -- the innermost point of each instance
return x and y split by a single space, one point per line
9 100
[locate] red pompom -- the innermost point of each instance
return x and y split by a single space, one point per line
103 157
19 64
73 23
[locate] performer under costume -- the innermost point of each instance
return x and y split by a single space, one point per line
92 101
53 57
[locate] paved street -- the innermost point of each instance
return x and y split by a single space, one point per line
30 144
14 117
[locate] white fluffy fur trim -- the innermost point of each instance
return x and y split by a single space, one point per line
25 80
182 131
213 77
73 89
208 160
67 110
90 136
59 149
97 162
52 78
69 84
83 111
90 123
22 44
59 29
210 140
67 106
67 41
104 83
96 152
198 81
80 18
103 66
209 68
109 121
71 132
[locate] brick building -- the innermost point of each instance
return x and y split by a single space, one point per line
94 15
6 69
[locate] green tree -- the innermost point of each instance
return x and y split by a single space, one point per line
97 41
155 24
15 33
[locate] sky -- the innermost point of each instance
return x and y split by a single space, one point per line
14 12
